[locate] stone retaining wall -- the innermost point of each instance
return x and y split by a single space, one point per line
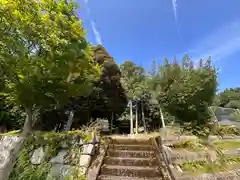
174 158
72 154
230 175
174 139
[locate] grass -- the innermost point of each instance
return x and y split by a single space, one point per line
196 168
193 144
200 167
227 144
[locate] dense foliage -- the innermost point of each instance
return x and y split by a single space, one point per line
51 76
49 69
45 59
44 56
230 98
185 90
107 97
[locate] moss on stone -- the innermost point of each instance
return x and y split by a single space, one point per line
51 143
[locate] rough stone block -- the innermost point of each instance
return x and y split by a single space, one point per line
4 155
88 149
9 142
81 142
85 160
59 159
64 145
187 137
37 156
211 137
61 172
228 137
179 169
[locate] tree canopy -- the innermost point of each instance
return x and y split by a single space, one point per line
44 56
48 68
47 65
185 90
230 98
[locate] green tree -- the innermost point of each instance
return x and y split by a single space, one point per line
155 112
230 98
110 89
45 56
134 82
186 91
108 99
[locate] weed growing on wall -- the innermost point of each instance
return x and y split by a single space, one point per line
51 142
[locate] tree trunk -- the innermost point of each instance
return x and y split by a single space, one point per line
70 121
131 118
143 118
136 125
27 128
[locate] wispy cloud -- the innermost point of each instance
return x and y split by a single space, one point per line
96 33
220 44
93 24
174 6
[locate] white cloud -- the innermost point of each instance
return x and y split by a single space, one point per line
220 44
93 24
96 33
174 4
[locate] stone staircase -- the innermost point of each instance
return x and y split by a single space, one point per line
130 159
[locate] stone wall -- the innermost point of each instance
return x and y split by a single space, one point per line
54 155
175 158
230 175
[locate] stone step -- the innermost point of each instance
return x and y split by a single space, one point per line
104 177
130 171
128 153
131 147
130 161
129 141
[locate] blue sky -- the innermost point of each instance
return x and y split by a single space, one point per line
146 30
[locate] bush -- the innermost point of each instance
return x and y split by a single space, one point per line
188 144
222 130
200 131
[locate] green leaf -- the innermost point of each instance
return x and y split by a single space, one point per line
20 76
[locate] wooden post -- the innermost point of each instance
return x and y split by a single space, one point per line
131 118
143 118
136 122
162 118
111 124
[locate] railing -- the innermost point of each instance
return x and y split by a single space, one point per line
161 156
94 170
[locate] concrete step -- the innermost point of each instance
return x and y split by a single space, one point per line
130 171
128 161
104 177
128 153
137 147
129 141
